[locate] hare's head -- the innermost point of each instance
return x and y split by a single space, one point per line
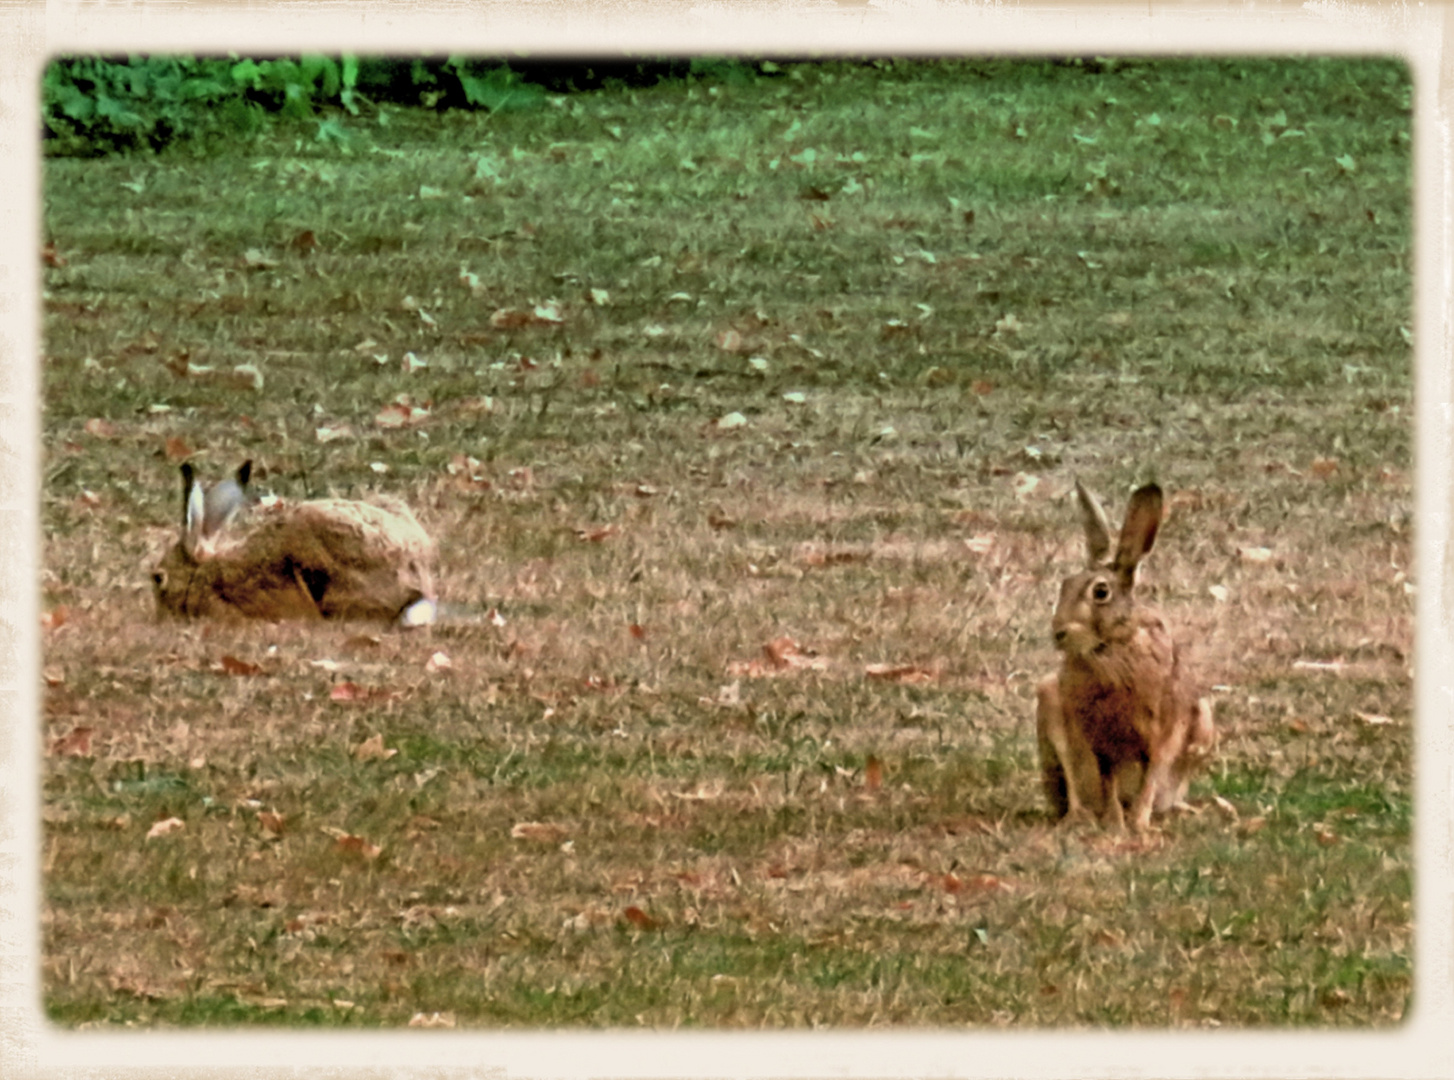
177 580
1097 605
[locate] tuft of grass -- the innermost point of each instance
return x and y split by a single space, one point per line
935 293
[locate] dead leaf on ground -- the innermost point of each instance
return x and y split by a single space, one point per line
639 919
437 663
352 692
55 618
335 433
75 744
231 665
778 656
99 429
540 832
372 749
357 845
595 536
271 822
873 773
729 341
901 673
164 827
432 1020
520 319
398 414
176 449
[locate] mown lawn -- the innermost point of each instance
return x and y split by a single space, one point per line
673 374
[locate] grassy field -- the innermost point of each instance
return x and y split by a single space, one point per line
673 375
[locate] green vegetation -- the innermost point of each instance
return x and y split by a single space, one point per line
674 372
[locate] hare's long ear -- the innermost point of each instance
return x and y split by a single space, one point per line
244 474
194 507
1143 518
1097 528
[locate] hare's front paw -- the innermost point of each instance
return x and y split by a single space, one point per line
1078 818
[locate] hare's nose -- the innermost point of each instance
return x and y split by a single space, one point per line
1060 635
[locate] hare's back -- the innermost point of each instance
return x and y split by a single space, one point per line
383 527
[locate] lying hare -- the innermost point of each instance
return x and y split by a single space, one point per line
326 558
1121 723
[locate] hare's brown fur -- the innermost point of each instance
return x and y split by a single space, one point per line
327 558
1120 725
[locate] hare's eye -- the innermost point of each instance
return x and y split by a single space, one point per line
1101 592
158 579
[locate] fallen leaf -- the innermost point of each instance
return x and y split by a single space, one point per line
517 319
730 421
51 257
873 774
1252 825
247 376
1323 467
99 429
333 434
785 653
1024 485
1220 593
437 663
357 845
255 259
541 832
348 691
372 748
494 618
75 744
397 415
53 676
900 673
231 665
639 919
177 449
432 1020
305 242
1373 720
729 341
270 822
1255 555
595 536
1326 836
637 631
162 828
980 544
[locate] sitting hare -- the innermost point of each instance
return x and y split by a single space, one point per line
1120 724
326 558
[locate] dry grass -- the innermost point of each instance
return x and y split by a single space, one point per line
712 835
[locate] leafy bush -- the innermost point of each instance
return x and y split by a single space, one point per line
98 105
